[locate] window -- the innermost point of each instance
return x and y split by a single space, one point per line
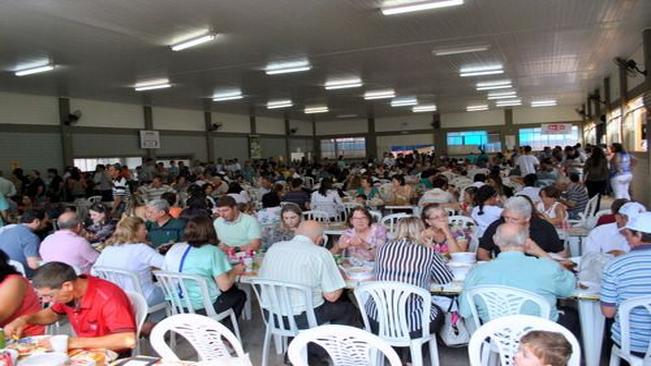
409 149
537 140
467 142
590 134
634 126
89 164
614 126
348 147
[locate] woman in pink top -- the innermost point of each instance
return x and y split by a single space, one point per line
17 297
363 237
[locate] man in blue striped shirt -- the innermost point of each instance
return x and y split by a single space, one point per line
627 277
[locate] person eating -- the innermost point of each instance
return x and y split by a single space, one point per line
17 297
363 237
437 233
290 217
236 229
102 226
162 228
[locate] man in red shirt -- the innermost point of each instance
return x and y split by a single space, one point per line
98 311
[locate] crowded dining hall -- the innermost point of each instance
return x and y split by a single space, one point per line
310 182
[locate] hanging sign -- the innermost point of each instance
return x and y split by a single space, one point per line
556 128
149 139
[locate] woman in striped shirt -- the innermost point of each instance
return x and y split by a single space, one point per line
406 259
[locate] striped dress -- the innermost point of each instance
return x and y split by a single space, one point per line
409 262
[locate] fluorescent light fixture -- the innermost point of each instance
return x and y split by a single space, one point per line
494 97
316 109
379 94
287 67
458 50
346 115
34 70
424 108
403 102
233 95
481 70
543 103
152 85
477 107
343 84
193 42
509 103
501 94
276 104
420 6
494 87
496 84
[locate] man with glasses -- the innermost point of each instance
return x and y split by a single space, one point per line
98 311
518 210
236 229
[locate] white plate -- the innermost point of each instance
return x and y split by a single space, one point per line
50 359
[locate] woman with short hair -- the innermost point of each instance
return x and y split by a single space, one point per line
363 237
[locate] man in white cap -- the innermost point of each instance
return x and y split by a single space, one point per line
628 277
609 238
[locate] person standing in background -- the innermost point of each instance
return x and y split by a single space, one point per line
595 172
621 174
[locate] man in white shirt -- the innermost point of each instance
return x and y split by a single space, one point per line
608 238
438 194
530 190
527 162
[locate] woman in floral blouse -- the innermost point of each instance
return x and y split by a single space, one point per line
363 237
438 233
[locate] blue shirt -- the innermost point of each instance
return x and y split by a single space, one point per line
624 278
544 277
19 242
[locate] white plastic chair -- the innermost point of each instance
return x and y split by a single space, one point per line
325 240
505 334
391 221
308 182
346 346
140 309
624 313
320 216
348 208
94 199
280 321
500 301
18 266
391 300
451 211
127 281
205 334
176 293
588 213
377 216
593 221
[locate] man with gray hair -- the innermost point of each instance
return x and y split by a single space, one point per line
162 228
68 246
513 268
518 210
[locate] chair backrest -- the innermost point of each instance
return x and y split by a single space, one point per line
126 280
505 334
391 221
346 346
377 216
624 313
591 207
308 182
275 297
18 266
95 199
348 208
325 240
391 300
500 301
205 335
320 216
140 309
451 211
175 288
592 222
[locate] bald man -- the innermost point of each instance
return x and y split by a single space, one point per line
66 245
304 261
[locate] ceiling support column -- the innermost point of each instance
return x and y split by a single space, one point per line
288 154
66 132
439 137
252 127
316 143
210 142
149 125
371 140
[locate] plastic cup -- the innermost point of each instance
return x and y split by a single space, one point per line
59 343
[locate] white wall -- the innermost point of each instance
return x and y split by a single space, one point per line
614 83
418 121
272 126
637 79
178 119
384 142
232 122
28 109
341 127
303 128
472 119
544 115
106 114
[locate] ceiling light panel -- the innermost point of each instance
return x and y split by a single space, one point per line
509 103
287 67
316 109
343 84
379 94
403 102
481 70
153 85
276 104
224 96
477 107
390 7
424 108
544 103
459 50
34 70
193 42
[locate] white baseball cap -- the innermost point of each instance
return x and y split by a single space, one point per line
641 222
631 210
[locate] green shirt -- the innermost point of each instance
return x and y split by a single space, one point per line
171 231
300 261
239 232
207 261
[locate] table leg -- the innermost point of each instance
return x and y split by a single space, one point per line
592 329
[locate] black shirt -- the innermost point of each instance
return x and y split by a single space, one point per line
540 231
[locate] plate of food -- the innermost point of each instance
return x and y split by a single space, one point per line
97 357
359 273
27 346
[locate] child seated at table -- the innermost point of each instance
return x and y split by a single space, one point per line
541 348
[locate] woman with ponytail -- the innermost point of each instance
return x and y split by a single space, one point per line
486 210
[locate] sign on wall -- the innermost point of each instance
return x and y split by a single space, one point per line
255 148
149 139
556 128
